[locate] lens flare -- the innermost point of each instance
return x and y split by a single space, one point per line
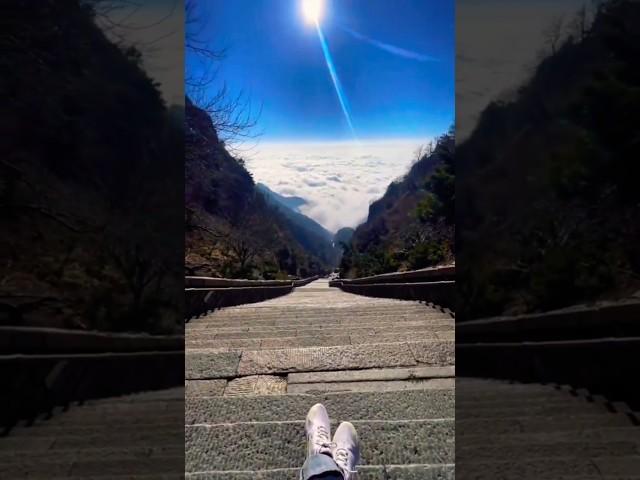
334 76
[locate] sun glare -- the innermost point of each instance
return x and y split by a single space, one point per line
313 10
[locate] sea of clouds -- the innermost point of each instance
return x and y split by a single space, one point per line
338 180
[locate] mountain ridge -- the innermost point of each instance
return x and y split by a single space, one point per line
233 228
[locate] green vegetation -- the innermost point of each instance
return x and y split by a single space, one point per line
412 226
547 183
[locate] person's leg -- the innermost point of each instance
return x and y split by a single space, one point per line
320 467
319 463
346 451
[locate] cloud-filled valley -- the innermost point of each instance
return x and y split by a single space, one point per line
338 180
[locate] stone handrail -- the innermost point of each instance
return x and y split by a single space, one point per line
44 370
33 340
204 294
594 347
434 285
605 319
430 274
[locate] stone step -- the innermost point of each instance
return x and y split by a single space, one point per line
98 418
89 454
545 450
374 374
260 446
89 468
13 443
150 408
417 404
277 320
387 472
172 394
97 427
472 388
586 435
527 425
275 343
540 410
377 386
201 364
551 469
507 400
322 304
386 328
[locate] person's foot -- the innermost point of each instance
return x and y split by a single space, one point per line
346 451
318 431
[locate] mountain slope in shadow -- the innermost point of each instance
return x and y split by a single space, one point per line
411 225
310 234
547 193
235 229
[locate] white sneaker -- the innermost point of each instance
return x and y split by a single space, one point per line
318 431
346 452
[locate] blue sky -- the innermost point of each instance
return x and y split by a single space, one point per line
277 59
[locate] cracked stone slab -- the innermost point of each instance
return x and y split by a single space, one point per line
439 352
326 358
256 385
204 388
204 365
374 375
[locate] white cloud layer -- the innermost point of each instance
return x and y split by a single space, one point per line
338 180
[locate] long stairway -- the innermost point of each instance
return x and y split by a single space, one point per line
542 432
134 437
252 372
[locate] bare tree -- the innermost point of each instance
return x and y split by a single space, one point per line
554 34
423 151
233 115
579 25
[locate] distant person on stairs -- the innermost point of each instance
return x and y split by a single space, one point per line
329 459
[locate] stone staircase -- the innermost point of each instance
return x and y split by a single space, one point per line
253 372
135 437
542 432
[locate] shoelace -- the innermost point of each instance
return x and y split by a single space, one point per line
341 457
322 438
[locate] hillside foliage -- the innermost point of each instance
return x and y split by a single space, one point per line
412 226
547 183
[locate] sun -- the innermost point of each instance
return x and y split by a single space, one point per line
313 10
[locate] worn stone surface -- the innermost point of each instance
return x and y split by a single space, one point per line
408 472
256 385
204 364
257 426
378 386
439 352
137 436
374 374
419 404
326 358
202 388
278 445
